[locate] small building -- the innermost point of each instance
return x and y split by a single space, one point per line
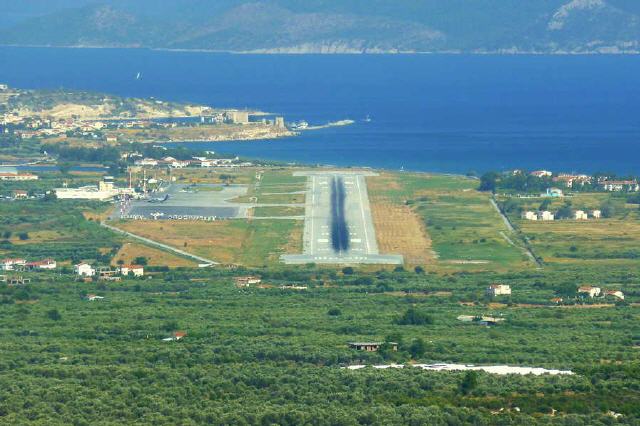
580 215
84 270
112 139
177 335
615 293
372 346
546 215
247 281
12 264
557 300
279 123
179 164
136 270
499 290
480 320
237 117
42 264
596 214
541 173
20 194
293 287
530 215
589 290
93 297
553 192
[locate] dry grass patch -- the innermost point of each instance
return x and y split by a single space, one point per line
245 242
155 257
399 230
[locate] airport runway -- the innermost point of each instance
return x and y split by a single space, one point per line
338 226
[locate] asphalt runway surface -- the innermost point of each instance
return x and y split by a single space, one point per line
338 225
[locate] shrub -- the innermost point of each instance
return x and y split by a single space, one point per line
414 317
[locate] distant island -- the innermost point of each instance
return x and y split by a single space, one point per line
330 27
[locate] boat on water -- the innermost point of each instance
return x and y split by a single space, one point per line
300 125
367 119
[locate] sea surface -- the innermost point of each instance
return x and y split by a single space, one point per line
443 113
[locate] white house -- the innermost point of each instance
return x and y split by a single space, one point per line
498 290
43 264
541 173
580 215
591 291
596 214
546 215
93 297
530 215
615 293
84 270
136 270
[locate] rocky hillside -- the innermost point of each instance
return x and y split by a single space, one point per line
332 26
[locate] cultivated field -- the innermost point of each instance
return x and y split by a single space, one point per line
399 229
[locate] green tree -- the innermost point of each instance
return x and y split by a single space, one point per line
414 317
489 182
417 348
608 209
469 382
54 315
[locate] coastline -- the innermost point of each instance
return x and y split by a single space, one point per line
292 51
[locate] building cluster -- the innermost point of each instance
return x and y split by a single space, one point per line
569 180
86 270
593 292
193 162
24 265
545 215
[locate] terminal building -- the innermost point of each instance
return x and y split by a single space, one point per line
106 190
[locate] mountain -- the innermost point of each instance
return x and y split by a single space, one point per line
332 26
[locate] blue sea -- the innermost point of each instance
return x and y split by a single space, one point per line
442 113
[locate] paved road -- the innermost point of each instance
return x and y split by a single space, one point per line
317 247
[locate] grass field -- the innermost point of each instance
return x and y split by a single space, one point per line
464 229
278 211
251 243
